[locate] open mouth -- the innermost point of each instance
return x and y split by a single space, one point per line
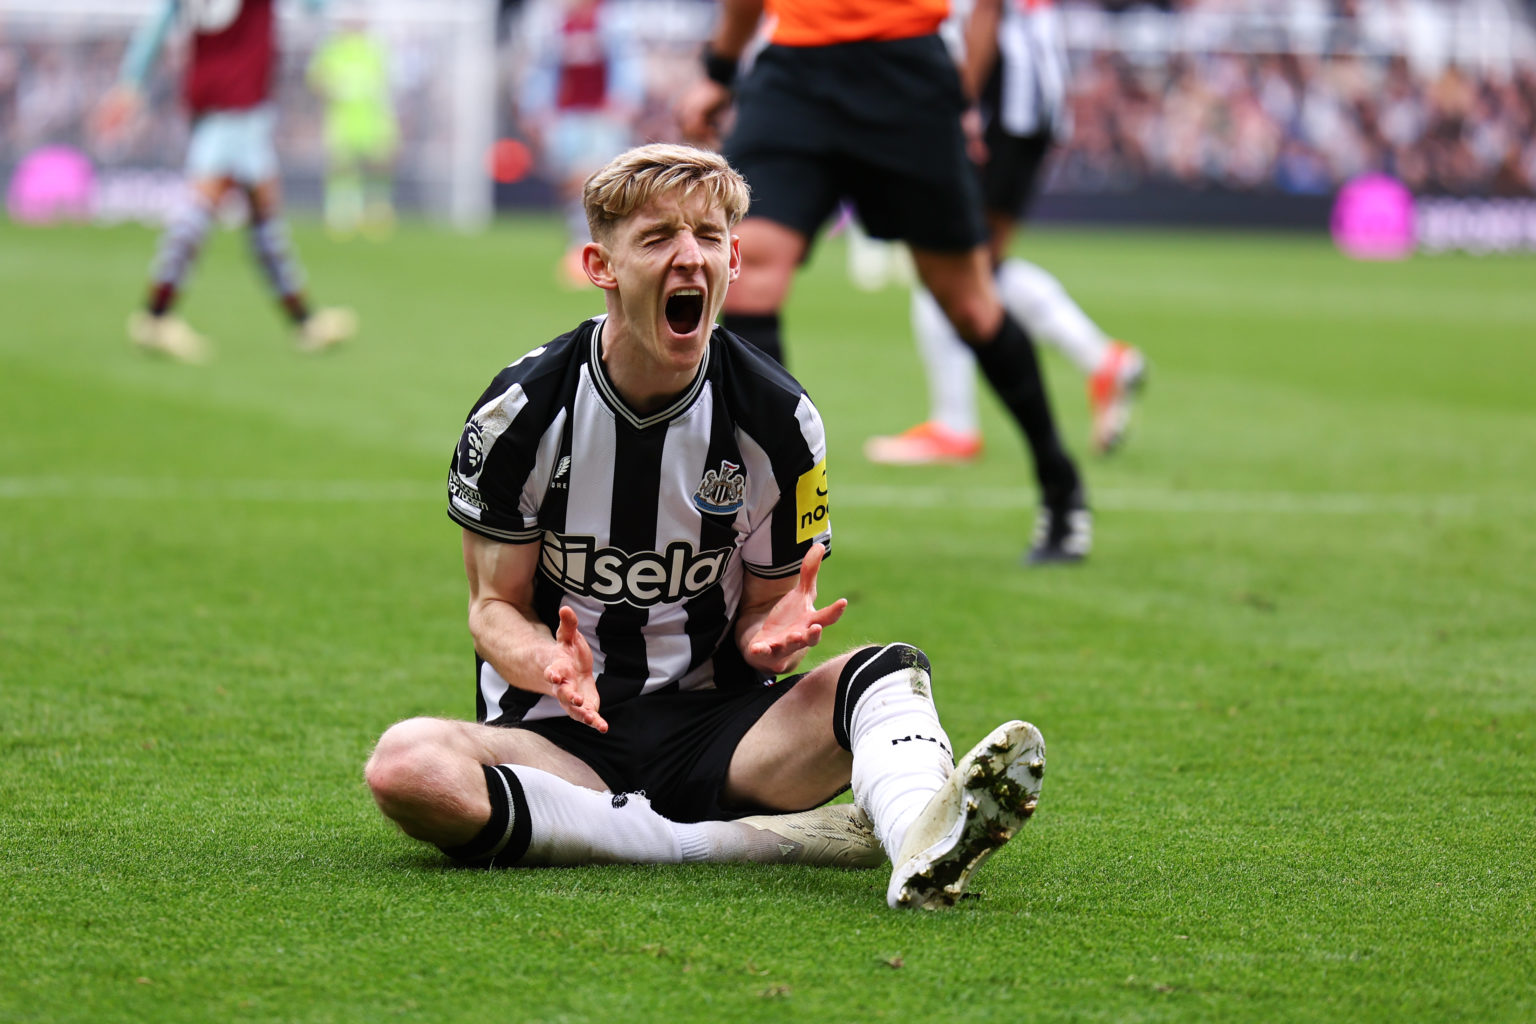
684 310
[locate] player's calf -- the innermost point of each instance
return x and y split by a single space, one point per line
884 714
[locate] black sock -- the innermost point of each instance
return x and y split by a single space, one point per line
853 681
761 329
1012 368
161 297
504 839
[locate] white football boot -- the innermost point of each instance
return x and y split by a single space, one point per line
167 335
326 327
1111 389
987 798
834 835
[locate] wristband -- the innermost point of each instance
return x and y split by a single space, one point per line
718 68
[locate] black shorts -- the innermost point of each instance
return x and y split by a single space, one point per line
674 747
1013 169
876 123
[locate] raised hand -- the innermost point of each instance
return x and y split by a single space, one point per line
794 624
570 673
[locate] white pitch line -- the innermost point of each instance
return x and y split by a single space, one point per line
177 489
1306 503
1300 503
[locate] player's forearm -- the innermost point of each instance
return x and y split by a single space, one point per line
737 24
980 46
517 645
759 596
144 47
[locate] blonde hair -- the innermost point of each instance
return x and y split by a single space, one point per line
635 177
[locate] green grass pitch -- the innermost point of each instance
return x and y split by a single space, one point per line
1290 703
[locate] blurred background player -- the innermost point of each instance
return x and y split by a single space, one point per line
1015 62
350 71
577 102
862 101
226 88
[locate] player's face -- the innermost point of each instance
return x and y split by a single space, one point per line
666 269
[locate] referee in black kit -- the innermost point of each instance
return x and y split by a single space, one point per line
861 101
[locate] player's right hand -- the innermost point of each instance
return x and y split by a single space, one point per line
569 674
116 114
974 126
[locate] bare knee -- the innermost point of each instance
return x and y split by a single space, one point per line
424 783
962 283
395 767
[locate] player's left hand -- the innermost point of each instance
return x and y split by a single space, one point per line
794 624
699 111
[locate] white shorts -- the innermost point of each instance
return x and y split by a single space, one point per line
234 144
580 143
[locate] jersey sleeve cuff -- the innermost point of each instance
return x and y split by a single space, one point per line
778 572
523 536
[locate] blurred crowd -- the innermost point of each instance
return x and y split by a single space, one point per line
51 81
1242 111
1247 95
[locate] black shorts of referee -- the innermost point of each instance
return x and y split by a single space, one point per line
875 123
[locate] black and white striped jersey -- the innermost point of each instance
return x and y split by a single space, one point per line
1029 88
1026 92
647 523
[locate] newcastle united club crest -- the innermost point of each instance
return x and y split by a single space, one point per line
723 491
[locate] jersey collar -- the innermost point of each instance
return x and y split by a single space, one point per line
615 401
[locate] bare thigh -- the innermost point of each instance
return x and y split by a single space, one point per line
427 774
790 759
770 253
491 744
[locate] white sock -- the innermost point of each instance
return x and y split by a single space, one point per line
1039 302
571 825
901 755
950 366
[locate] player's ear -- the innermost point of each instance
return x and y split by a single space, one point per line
594 260
735 264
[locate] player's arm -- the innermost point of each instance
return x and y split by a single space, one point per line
778 620
980 46
509 635
124 100
980 41
702 104
736 27
145 46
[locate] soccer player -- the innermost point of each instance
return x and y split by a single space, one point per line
1015 61
578 101
351 73
227 90
644 511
